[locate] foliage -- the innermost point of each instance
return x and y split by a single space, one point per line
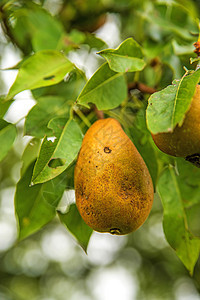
144 80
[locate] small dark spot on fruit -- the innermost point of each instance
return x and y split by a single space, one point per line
89 161
115 231
194 159
107 150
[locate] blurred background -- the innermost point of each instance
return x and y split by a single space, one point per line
50 265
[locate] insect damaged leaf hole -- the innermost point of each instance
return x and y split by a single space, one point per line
56 162
49 77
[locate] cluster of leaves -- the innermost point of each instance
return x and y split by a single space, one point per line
67 103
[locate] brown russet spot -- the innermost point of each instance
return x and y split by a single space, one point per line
107 150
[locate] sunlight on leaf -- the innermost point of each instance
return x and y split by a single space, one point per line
128 57
167 107
44 68
106 89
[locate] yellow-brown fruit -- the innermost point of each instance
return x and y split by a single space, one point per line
113 187
184 141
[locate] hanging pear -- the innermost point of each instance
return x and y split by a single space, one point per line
184 140
113 187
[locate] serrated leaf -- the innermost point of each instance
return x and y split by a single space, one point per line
75 224
106 89
175 225
8 134
44 68
35 206
39 116
128 57
56 156
167 107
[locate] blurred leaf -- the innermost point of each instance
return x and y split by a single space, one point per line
43 68
167 107
8 134
37 26
35 206
128 57
75 224
158 16
4 106
175 225
106 89
46 30
182 49
48 107
93 41
56 156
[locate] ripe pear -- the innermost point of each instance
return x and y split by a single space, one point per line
184 140
113 187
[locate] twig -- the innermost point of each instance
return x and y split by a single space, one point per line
141 87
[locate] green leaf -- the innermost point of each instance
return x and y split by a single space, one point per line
30 154
8 134
35 206
56 156
167 107
182 49
162 21
39 116
93 41
35 25
175 225
68 89
44 68
189 185
106 89
75 224
142 139
4 106
128 57
47 31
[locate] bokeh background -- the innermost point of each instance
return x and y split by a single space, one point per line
50 265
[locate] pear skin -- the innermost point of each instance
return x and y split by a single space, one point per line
113 187
184 141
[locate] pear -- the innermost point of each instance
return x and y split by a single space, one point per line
184 140
113 187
